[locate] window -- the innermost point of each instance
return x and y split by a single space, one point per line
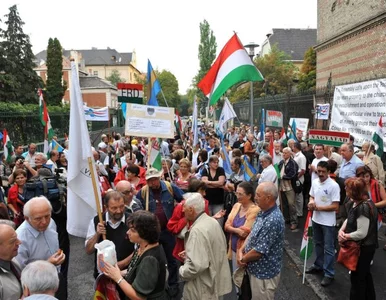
95 73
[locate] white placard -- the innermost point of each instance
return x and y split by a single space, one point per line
357 108
149 121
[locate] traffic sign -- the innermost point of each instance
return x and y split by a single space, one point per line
130 93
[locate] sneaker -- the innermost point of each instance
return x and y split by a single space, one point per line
326 281
293 227
313 270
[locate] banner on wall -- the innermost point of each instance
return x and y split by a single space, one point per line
357 108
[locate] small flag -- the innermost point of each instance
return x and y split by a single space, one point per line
293 130
227 114
306 251
233 65
262 125
283 137
194 127
56 146
177 123
378 138
45 118
153 85
155 154
249 170
8 149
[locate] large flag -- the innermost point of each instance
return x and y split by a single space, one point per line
378 137
262 125
233 65
195 127
306 251
153 85
227 114
249 170
81 205
155 154
96 114
8 149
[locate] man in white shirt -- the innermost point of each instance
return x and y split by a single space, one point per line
52 162
278 155
324 202
269 173
301 160
319 156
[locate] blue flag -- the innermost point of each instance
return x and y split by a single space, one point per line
293 130
153 86
249 170
262 125
56 146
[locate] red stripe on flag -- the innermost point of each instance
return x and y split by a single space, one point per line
329 133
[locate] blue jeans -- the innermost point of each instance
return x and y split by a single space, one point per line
324 241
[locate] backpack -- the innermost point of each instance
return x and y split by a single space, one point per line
145 189
45 186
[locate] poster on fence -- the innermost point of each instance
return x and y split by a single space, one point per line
149 121
357 108
274 118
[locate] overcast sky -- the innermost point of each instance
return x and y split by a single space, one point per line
166 32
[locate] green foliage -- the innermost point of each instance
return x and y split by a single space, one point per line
18 80
115 77
185 109
54 89
169 85
307 76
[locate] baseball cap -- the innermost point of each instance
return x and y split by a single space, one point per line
102 145
153 173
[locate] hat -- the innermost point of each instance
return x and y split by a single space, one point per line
103 136
238 276
153 173
134 142
102 145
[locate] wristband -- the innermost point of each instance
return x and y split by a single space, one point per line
119 281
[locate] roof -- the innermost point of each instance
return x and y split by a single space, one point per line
94 82
294 42
96 57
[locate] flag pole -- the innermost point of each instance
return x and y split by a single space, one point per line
166 102
305 258
150 145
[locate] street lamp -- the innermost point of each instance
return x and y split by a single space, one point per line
251 52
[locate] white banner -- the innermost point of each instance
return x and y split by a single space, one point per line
357 107
301 125
96 114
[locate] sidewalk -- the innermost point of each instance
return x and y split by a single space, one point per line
340 289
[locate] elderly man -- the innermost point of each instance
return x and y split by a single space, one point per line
278 155
206 269
128 191
40 281
262 252
10 287
374 162
269 173
350 162
162 196
52 162
39 238
30 155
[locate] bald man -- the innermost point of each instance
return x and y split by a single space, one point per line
10 287
128 192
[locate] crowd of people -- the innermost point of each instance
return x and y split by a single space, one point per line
189 226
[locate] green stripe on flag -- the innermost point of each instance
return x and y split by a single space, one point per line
326 143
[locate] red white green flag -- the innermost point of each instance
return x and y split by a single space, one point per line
378 137
283 137
8 149
177 122
233 65
45 118
307 246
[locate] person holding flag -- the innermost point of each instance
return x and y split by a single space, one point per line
324 202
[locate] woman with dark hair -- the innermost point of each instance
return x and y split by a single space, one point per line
15 196
202 158
132 174
361 227
62 161
146 273
241 219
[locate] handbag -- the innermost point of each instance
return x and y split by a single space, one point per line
348 255
245 292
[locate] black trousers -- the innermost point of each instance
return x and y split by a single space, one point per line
362 286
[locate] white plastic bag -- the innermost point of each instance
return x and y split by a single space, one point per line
107 249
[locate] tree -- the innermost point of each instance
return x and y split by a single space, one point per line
206 55
169 85
115 77
54 89
19 81
307 77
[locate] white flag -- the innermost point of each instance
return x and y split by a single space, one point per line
81 207
194 127
96 114
227 114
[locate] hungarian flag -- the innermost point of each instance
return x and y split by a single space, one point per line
155 154
8 149
378 137
45 120
283 137
233 65
306 251
177 123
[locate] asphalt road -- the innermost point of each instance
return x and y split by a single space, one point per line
81 281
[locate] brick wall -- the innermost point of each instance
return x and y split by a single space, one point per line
338 16
357 57
94 99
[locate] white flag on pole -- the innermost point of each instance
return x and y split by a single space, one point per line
227 114
195 127
81 207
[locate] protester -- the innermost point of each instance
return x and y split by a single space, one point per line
205 254
319 156
350 161
324 202
52 163
128 191
182 179
146 274
15 196
301 161
361 227
39 280
30 155
374 162
262 252
10 270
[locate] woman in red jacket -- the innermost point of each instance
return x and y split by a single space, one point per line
15 196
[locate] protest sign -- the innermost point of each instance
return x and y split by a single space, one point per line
322 111
149 121
301 125
328 138
274 118
357 107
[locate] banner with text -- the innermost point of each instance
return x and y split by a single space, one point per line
357 107
274 118
328 138
149 121
301 125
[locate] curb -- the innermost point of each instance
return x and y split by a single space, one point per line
312 282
